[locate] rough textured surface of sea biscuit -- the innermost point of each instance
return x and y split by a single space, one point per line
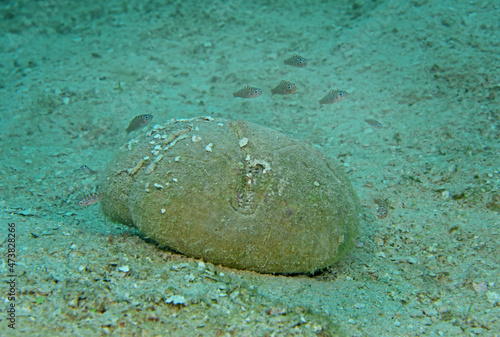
274 205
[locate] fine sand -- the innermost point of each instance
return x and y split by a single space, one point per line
72 77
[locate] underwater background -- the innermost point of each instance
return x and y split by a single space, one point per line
74 74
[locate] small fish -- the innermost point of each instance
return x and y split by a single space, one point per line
284 88
87 170
90 199
383 208
138 122
248 92
296 61
374 123
333 96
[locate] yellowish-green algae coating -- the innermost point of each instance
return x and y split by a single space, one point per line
234 193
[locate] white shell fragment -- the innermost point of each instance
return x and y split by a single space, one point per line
151 167
243 141
124 269
195 139
176 299
157 159
208 148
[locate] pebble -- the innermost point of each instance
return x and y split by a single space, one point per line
124 269
176 299
234 294
431 312
479 287
189 278
492 297
412 260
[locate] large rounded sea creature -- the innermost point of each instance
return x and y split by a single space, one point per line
233 193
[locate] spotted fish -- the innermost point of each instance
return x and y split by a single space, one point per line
296 61
139 122
333 96
87 170
284 88
90 199
373 122
248 92
383 208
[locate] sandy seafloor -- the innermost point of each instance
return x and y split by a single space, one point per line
73 76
